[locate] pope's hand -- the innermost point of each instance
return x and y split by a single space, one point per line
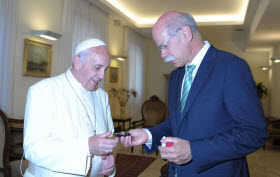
179 152
137 138
101 145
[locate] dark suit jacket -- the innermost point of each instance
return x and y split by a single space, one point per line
223 117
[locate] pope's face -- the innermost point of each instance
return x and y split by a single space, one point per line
92 67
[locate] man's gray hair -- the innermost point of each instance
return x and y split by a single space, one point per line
179 20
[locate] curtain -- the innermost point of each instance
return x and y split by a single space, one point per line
81 20
8 20
66 41
135 44
90 22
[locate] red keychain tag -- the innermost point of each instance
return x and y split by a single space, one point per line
168 144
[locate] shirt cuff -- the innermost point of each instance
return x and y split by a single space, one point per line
150 141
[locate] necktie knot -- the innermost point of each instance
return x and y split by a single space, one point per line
187 86
190 69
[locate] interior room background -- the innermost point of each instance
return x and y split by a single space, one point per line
77 20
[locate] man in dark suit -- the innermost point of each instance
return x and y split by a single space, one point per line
215 115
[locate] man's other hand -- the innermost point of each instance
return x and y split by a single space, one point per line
179 152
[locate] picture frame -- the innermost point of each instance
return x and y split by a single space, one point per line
37 59
114 74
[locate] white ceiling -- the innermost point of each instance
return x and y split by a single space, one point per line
258 19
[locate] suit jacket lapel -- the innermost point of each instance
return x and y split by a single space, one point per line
202 74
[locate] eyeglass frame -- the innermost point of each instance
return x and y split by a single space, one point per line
165 44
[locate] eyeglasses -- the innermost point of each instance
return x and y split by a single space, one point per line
165 44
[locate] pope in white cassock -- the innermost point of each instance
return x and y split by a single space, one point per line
68 119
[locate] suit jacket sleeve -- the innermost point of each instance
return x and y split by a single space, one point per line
163 129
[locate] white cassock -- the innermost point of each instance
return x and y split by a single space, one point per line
60 116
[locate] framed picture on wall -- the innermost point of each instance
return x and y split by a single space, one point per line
37 59
114 74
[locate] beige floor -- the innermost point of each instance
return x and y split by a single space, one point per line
265 163
262 163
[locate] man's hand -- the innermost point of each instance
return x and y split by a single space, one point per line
100 145
108 164
179 153
137 138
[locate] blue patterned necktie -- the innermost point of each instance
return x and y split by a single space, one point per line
187 85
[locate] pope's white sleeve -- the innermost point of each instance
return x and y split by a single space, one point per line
108 114
110 124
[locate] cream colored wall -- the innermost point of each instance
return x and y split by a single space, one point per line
33 15
275 85
256 59
115 46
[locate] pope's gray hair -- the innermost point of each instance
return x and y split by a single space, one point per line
83 55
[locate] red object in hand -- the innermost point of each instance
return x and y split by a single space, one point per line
168 144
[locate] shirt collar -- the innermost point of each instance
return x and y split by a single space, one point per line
200 55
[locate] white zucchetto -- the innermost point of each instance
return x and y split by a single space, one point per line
88 44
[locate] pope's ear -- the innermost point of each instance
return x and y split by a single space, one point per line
77 62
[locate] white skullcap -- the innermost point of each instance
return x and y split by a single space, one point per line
88 44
